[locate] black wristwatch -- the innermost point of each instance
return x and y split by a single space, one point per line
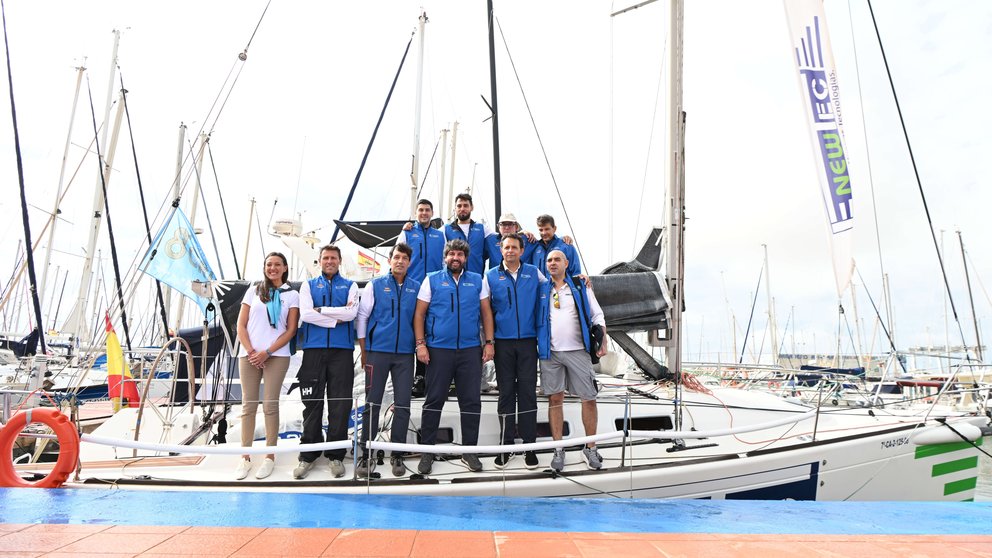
489 341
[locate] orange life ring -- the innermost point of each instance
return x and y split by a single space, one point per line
68 447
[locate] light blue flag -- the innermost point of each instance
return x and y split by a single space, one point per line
176 259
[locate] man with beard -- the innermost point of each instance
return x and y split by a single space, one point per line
426 243
568 312
385 336
451 306
513 289
474 234
328 306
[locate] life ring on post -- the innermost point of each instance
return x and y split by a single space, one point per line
64 430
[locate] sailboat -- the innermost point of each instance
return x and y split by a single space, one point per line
665 436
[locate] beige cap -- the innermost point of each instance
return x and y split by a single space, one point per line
508 218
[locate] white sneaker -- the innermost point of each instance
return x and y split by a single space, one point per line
303 469
242 471
336 467
266 468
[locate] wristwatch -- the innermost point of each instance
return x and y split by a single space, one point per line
489 341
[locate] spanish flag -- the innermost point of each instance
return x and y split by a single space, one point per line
367 263
120 384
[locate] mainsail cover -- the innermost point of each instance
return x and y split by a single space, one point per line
820 92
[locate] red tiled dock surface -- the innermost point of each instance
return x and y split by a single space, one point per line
80 541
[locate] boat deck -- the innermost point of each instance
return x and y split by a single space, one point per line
138 523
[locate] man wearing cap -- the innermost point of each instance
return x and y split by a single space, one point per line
513 290
426 242
474 234
508 225
568 312
451 306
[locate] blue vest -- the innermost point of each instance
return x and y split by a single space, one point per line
328 293
540 256
454 315
390 327
428 251
476 244
514 301
544 318
495 256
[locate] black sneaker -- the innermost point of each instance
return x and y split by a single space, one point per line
419 386
426 464
502 459
530 460
399 468
365 466
472 461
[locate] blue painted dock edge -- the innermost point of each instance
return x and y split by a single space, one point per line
244 509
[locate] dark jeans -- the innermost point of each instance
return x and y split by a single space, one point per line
516 377
465 367
329 372
378 367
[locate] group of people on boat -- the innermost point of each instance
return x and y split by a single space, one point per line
439 313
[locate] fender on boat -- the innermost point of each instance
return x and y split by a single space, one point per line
68 447
944 434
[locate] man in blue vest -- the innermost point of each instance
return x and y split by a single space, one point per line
568 312
507 226
550 241
513 294
475 234
385 336
452 305
426 242
328 306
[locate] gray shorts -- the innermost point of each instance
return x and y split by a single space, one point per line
568 371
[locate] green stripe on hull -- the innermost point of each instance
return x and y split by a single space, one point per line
960 486
937 449
955 466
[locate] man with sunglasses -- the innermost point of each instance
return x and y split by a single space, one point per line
568 311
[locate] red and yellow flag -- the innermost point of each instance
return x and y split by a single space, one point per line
120 383
368 263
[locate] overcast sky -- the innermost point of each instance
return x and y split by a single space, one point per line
297 122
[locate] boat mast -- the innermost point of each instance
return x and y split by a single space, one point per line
77 321
771 310
415 169
497 193
175 198
451 172
58 195
974 317
676 187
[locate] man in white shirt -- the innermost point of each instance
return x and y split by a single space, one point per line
564 342
328 306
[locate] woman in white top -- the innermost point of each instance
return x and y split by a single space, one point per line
270 313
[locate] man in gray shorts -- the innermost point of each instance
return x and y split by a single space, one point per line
568 312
